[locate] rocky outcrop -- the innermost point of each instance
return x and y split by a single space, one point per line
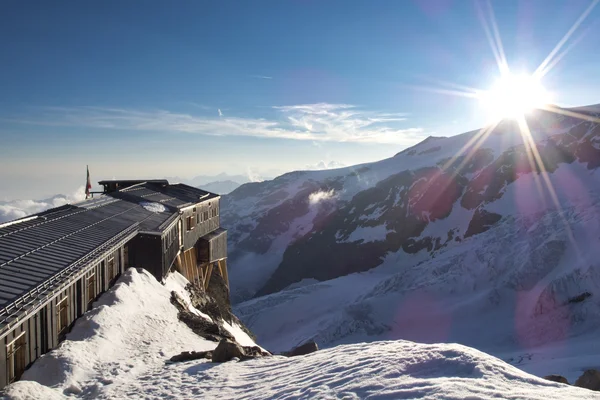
589 380
213 302
191 355
306 348
202 327
482 221
228 350
557 378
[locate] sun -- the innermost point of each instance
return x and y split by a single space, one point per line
513 96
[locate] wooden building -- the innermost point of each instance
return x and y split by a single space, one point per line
54 264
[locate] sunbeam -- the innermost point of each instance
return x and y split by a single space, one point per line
530 143
493 37
569 113
542 70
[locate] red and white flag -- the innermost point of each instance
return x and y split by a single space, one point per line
88 183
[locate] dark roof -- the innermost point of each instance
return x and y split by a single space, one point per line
132 181
36 250
177 195
214 234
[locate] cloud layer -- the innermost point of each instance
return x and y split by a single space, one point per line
16 209
316 122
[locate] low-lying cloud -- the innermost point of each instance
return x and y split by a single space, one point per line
316 122
322 165
15 209
321 196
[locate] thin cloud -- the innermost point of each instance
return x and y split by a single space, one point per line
261 77
320 122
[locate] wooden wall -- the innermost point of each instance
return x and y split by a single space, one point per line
204 226
170 246
41 327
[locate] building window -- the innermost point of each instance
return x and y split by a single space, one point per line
205 215
62 315
190 223
16 357
91 288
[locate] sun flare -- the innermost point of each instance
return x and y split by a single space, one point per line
513 96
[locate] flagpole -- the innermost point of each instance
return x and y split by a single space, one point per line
88 183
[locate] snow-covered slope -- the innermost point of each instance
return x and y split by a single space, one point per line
120 346
119 350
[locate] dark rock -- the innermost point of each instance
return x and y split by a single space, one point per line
431 150
219 292
178 302
226 350
580 298
191 355
254 352
482 221
306 348
557 378
589 380
215 303
203 327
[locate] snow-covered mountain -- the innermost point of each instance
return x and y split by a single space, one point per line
455 239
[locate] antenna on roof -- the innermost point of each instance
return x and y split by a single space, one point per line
88 183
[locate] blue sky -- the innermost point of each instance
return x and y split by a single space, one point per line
185 88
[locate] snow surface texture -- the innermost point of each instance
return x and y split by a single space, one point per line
119 349
119 345
154 207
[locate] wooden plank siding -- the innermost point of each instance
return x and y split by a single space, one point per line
206 219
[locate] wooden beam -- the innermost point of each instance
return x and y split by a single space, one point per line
208 274
224 273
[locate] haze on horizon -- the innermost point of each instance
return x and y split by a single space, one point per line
146 89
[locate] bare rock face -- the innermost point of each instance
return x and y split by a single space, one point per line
481 222
191 355
201 326
306 348
589 380
557 378
226 350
